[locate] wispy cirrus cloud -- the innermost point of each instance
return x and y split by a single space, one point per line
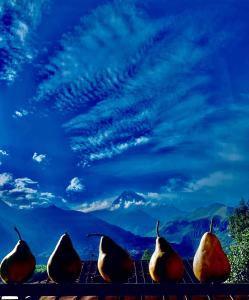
149 81
18 20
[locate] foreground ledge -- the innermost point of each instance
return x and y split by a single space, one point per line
126 289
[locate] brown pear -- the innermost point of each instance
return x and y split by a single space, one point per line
64 264
114 263
210 261
165 264
19 265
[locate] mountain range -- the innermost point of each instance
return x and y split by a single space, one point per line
134 213
42 227
189 229
130 221
138 215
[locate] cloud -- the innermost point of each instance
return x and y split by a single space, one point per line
153 89
93 206
5 178
3 153
230 152
18 20
211 181
20 113
158 198
75 185
174 185
39 158
25 193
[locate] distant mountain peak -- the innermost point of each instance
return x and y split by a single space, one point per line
128 198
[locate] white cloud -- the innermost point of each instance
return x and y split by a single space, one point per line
75 185
174 184
96 205
20 113
230 152
3 153
5 178
22 182
39 157
150 195
25 193
127 204
212 180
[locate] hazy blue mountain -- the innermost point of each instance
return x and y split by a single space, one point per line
164 212
134 213
42 227
215 209
132 219
188 230
8 220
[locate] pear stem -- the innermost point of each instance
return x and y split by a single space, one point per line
211 225
18 232
94 234
157 229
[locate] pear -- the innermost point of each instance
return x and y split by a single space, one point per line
210 261
114 263
19 265
165 264
64 264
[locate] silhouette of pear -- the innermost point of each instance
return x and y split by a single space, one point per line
19 265
64 264
114 263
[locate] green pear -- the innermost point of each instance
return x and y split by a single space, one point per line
114 263
165 264
210 261
19 265
64 264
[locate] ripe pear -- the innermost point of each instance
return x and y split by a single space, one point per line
19 265
114 263
165 264
64 264
210 261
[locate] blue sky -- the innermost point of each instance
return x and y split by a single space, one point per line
103 96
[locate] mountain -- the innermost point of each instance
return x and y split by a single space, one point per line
132 219
188 230
128 198
42 227
215 209
164 212
127 211
134 213
8 215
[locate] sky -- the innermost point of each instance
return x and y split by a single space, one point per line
97 97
